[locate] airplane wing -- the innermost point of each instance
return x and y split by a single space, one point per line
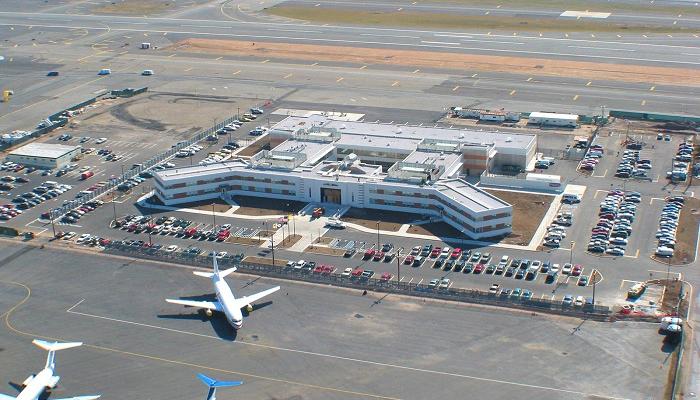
244 301
209 305
6 397
80 398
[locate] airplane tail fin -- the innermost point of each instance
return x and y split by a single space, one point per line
214 384
52 348
216 265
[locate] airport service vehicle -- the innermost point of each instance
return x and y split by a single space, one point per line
335 223
214 384
33 387
226 302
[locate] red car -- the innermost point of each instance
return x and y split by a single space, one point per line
456 253
378 255
369 253
479 268
409 260
386 277
436 252
223 235
318 269
327 269
357 272
576 271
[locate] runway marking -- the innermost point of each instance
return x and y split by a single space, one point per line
264 61
304 352
475 75
575 98
363 67
287 76
528 79
395 83
651 89
600 48
237 72
416 71
314 64
339 79
218 58
455 88
172 55
512 92
644 102
188 69
589 83
440 43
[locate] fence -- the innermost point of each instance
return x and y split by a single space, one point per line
146 165
687 119
412 289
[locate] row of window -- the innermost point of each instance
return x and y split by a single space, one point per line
230 178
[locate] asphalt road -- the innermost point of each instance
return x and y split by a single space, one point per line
301 344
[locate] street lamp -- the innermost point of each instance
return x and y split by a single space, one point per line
378 234
593 275
213 214
398 266
53 227
571 252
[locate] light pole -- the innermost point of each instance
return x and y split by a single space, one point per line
114 208
571 253
53 227
398 266
378 234
213 214
273 249
594 282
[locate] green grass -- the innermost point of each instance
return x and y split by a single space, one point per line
451 21
578 5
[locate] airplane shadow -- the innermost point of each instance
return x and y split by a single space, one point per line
256 307
218 321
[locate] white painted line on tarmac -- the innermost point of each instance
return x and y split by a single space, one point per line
335 357
636 255
601 176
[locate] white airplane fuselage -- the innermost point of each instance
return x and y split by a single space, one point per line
37 385
225 296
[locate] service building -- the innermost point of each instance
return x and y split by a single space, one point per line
44 155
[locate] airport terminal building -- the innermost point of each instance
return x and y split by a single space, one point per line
366 165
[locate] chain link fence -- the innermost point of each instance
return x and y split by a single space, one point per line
378 285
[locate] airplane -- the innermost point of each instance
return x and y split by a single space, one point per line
34 385
214 384
227 303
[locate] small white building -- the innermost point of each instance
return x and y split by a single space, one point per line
553 119
44 155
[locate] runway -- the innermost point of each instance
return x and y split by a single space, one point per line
680 51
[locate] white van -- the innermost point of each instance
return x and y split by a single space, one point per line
50 184
664 251
571 198
667 321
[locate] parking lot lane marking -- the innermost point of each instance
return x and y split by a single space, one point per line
512 92
636 255
601 176
317 354
237 72
454 89
656 198
395 83
339 80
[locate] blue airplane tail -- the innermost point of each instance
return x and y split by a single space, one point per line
214 384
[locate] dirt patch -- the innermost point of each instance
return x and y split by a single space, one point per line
218 205
327 251
265 261
288 241
245 241
439 229
135 7
671 300
516 23
265 206
389 221
638 7
430 59
686 235
261 144
528 211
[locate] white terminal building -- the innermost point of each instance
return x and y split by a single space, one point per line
400 168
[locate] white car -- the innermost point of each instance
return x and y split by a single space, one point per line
171 248
335 223
446 251
300 264
554 268
618 241
494 288
566 269
615 251
346 272
100 140
220 255
444 283
579 301
434 283
82 238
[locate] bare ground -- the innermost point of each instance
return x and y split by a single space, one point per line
687 233
528 211
288 241
324 250
265 261
430 59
